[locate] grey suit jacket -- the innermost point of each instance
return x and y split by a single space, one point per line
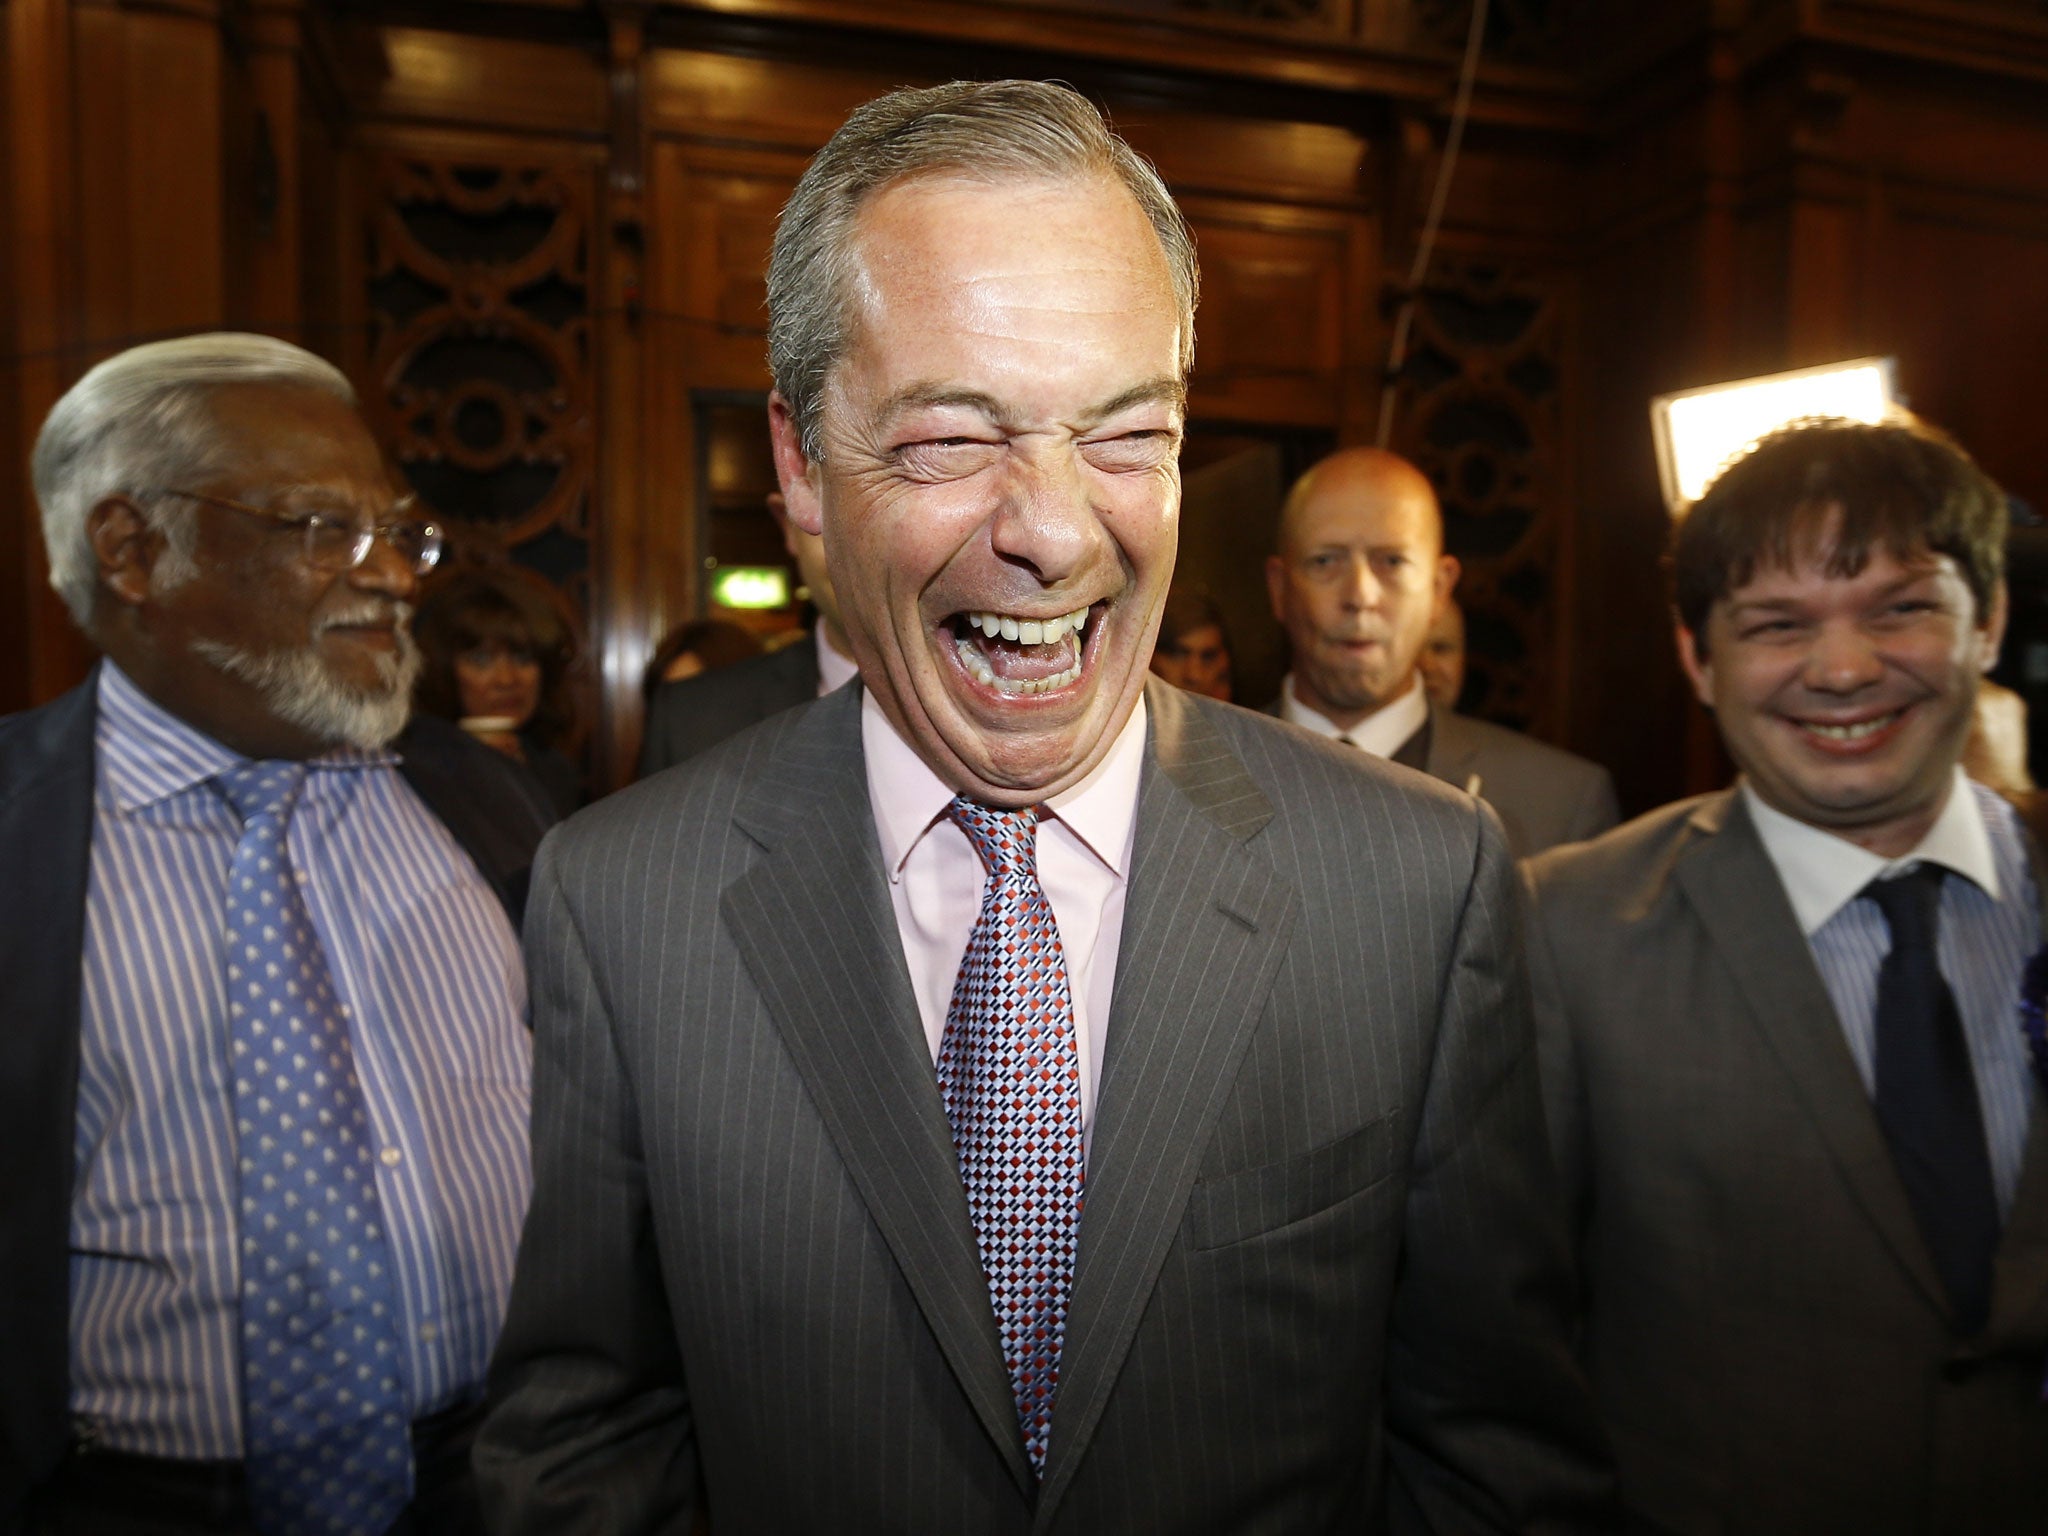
1544 795
1320 1284
694 714
1765 1330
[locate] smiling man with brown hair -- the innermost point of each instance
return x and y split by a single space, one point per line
1783 1053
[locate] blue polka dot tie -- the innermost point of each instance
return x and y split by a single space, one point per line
1010 1076
325 1429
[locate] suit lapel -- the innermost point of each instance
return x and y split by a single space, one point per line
815 925
1205 925
1736 894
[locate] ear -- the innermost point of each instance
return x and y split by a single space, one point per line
124 547
1447 573
1991 634
804 503
1699 671
1276 587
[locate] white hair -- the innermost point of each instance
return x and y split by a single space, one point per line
138 424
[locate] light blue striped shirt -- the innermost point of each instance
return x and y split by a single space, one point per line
1989 925
428 968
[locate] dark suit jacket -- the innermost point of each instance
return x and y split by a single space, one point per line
1544 795
695 713
1319 1273
1767 1334
46 821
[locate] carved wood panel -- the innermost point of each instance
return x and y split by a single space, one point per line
1480 412
477 279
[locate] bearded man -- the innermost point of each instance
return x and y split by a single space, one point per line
263 1088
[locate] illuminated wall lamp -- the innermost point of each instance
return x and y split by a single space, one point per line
750 586
1700 430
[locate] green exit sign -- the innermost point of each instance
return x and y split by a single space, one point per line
750 586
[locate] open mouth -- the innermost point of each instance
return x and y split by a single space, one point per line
1021 657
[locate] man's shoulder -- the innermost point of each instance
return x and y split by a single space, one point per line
1629 869
56 736
693 714
696 800
1332 787
1515 752
771 681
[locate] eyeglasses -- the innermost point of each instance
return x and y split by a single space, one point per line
335 540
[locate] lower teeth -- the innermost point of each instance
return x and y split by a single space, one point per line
976 663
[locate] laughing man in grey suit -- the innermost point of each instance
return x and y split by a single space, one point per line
785 1271
1359 574
1813 1213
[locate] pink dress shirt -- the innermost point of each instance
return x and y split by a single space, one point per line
936 878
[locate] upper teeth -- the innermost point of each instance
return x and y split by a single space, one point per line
1029 631
1852 732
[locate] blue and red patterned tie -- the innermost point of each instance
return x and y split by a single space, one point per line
327 1439
1010 1075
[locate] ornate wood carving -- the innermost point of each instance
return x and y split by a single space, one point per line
480 340
1480 413
480 356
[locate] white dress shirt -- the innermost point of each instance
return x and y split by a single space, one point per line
1989 924
1382 733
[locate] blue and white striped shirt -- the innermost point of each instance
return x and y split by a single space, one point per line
428 968
1989 925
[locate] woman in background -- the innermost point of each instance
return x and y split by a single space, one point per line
497 662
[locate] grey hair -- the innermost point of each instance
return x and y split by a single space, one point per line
1002 130
137 424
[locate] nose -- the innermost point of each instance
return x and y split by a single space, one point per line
385 570
1360 585
1047 521
1841 660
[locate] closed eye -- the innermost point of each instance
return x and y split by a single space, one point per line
945 458
1148 448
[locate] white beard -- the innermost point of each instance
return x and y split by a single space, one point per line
301 691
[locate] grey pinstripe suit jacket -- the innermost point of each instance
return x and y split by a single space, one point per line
1321 1285
1766 1331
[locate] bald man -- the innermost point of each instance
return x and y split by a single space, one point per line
1360 573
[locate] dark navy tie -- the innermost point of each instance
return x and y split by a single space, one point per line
1927 1097
326 1434
1010 1076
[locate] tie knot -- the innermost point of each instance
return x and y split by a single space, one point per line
1007 840
265 788
1910 903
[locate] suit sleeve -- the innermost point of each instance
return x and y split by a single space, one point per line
1597 811
589 1426
1557 1058
1491 1425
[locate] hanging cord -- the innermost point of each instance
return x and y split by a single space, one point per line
1404 319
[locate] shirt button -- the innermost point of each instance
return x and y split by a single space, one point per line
391 1157
429 1333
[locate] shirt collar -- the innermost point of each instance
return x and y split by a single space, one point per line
909 799
834 670
1381 733
148 754
1823 873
